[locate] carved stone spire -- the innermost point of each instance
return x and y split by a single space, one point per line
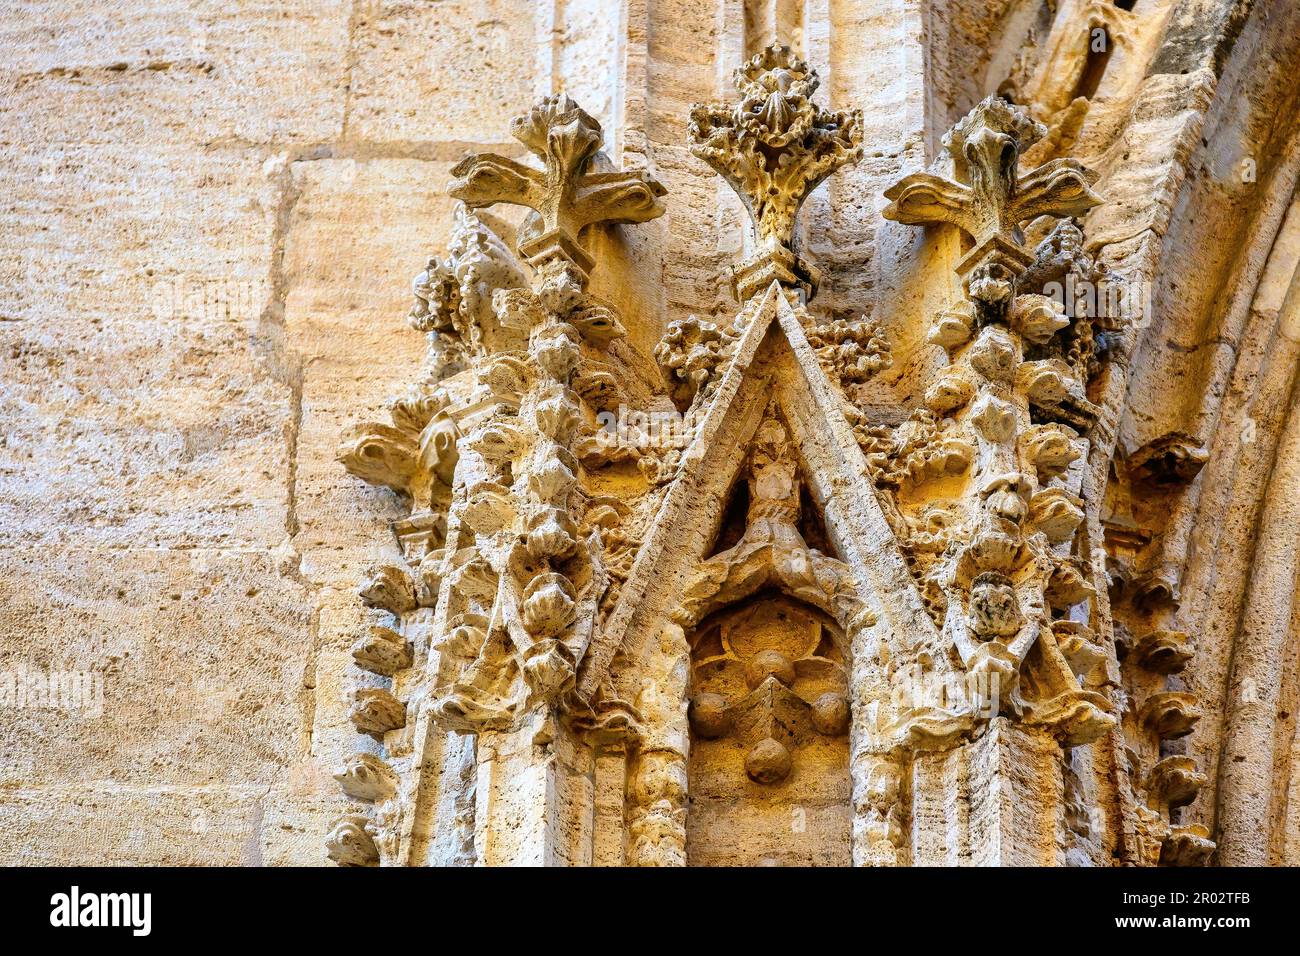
568 195
775 147
1013 411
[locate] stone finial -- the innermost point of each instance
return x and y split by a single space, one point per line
989 198
567 195
775 147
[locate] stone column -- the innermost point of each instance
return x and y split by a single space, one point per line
657 785
1255 693
994 801
534 796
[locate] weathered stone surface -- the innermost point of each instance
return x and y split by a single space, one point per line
187 697
169 74
432 73
357 232
148 826
856 538
139 376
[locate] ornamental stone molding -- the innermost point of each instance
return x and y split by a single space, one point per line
774 147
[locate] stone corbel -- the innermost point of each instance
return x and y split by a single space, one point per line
351 841
414 458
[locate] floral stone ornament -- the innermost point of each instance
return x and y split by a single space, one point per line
567 195
775 147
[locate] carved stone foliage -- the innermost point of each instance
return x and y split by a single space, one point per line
568 194
692 352
987 497
522 512
453 296
850 350
989 198
522 505
1153 648
774 147
486 617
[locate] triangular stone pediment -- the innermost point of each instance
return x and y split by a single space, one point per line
773 364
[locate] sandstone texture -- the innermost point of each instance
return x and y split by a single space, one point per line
650 433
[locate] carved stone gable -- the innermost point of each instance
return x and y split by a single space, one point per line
814 566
